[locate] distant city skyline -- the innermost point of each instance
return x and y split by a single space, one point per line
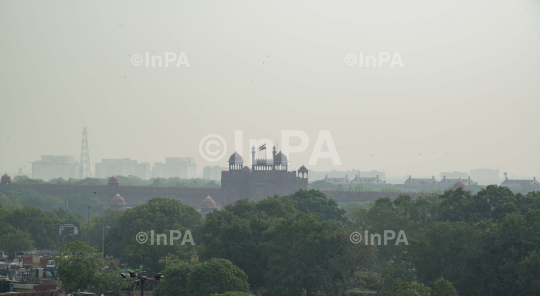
466 96
186 167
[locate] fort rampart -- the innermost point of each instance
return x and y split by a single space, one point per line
136 195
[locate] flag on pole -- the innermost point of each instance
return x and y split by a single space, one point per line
263 147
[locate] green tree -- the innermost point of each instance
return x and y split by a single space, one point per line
301 254
401 288
392 270
321 185
79 203
175 279
314 201
109 218
216 276
77 265
38 224
348 207
444 249
108 281
235 233
443 287
404 213
82 267
9 202
32 198
529 274
26 179
495 265
15 240
156 256
158 214
236 293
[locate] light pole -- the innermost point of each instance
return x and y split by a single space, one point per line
88 222
142 277
67 204
103 241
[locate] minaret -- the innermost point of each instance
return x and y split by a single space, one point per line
253 158
274 158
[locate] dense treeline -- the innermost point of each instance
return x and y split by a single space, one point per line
458 244
485 244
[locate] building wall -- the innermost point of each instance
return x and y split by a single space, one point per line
122 167
133 195
55 166
486 176
213 172
320 175
355 196
182 167
257 185
235 185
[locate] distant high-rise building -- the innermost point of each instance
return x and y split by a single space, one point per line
182 167
55 166
454 175
213 172
122 167
486 176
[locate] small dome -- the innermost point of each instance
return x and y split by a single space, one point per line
117 200
246 169
236 158
5 178
302 169
113 180
280 158
208 202
459 185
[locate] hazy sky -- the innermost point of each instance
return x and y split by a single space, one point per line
467 96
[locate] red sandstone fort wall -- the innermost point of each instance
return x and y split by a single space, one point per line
133 195
233 183
355 196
